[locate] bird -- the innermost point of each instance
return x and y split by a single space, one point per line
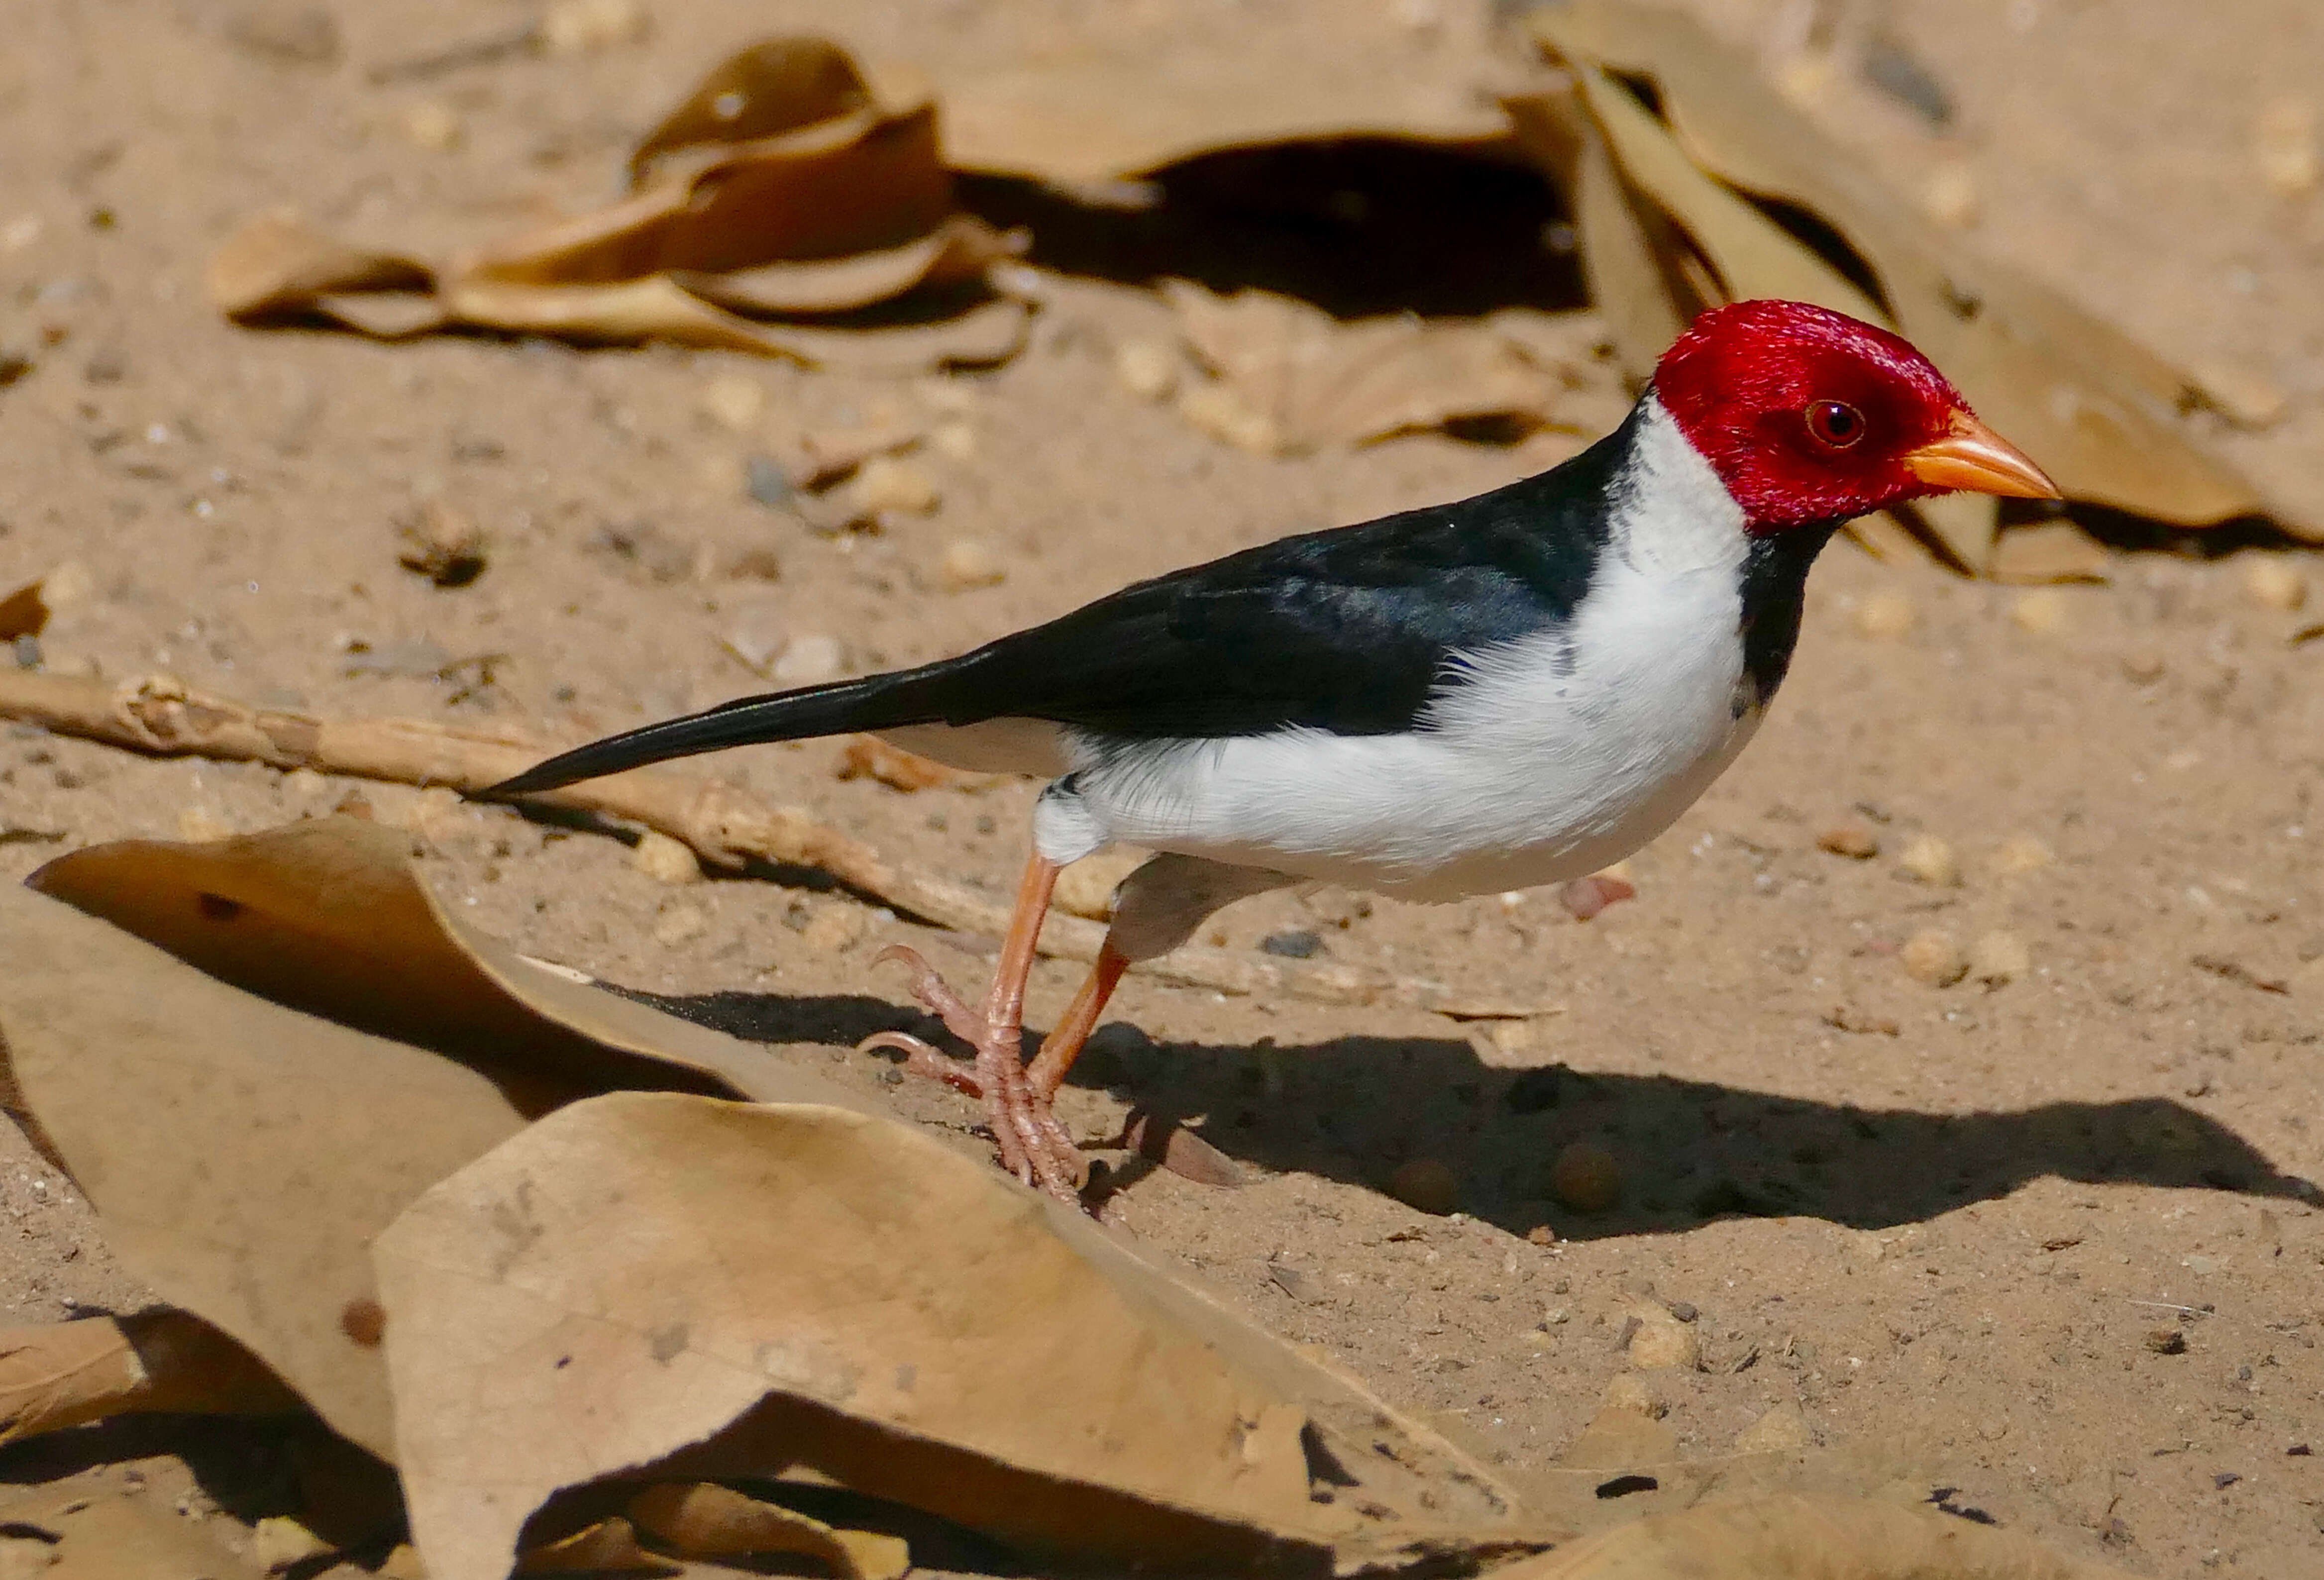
1509 690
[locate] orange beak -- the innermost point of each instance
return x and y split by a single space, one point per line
1975 459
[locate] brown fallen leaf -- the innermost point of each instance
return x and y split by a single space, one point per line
60 1374
821 195
608 1546
706 1520
1292 378
318 1123
1767 1537
762 1286
2100 410
724 825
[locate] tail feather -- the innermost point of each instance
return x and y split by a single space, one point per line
877 702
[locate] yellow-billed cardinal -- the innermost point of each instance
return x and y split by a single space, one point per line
1514 689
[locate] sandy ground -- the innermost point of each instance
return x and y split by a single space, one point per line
1948 1235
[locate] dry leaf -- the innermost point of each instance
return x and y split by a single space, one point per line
786 185
1121 101
608 1546
314 1132
1302 380
2098 409
803 1286
1781 1537
60 1374
706 1520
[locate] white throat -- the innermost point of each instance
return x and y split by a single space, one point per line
1674 516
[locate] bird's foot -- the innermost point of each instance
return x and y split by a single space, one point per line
1033 1145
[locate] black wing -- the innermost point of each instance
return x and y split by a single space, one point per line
1347 631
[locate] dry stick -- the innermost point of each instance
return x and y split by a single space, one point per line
726 827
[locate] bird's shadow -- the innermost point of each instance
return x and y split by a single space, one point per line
1355 1108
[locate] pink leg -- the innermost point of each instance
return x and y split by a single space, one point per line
1033 1145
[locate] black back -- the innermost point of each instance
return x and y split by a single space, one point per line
1347 631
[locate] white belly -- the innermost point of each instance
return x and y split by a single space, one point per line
1541 761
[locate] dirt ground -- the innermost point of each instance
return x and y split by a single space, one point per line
1948 1224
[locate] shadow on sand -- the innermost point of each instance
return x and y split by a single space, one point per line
1353 1108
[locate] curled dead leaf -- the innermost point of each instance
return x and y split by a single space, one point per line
1300 380
789 184
1738 174
763 1286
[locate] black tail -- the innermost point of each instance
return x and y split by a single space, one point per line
876 702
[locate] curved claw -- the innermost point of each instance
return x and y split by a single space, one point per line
934 995
922 1058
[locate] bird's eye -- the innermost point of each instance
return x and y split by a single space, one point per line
1835 424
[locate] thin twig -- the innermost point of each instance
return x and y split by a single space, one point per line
725 825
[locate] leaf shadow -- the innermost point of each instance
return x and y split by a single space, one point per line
1357 226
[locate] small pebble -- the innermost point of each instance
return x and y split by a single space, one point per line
199 826
69 584
1425 1186
810 658
969 562
1783 1429
2166 1341
2040 613
2284 143
886 484
1950 196
1541 1234
2275 583
1885 617
1997 957
1684 1310
1932 957
1662 1343
441 544
1585 1176
1626 1392
1148 369
1085 888
680 924
1931 860
735 402
1298 945
756 631
834 929
2022 852
1852 840
581 27
434 127
664 860
766 482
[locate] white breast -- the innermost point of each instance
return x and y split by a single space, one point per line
1541 760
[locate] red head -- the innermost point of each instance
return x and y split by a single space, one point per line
1809 415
